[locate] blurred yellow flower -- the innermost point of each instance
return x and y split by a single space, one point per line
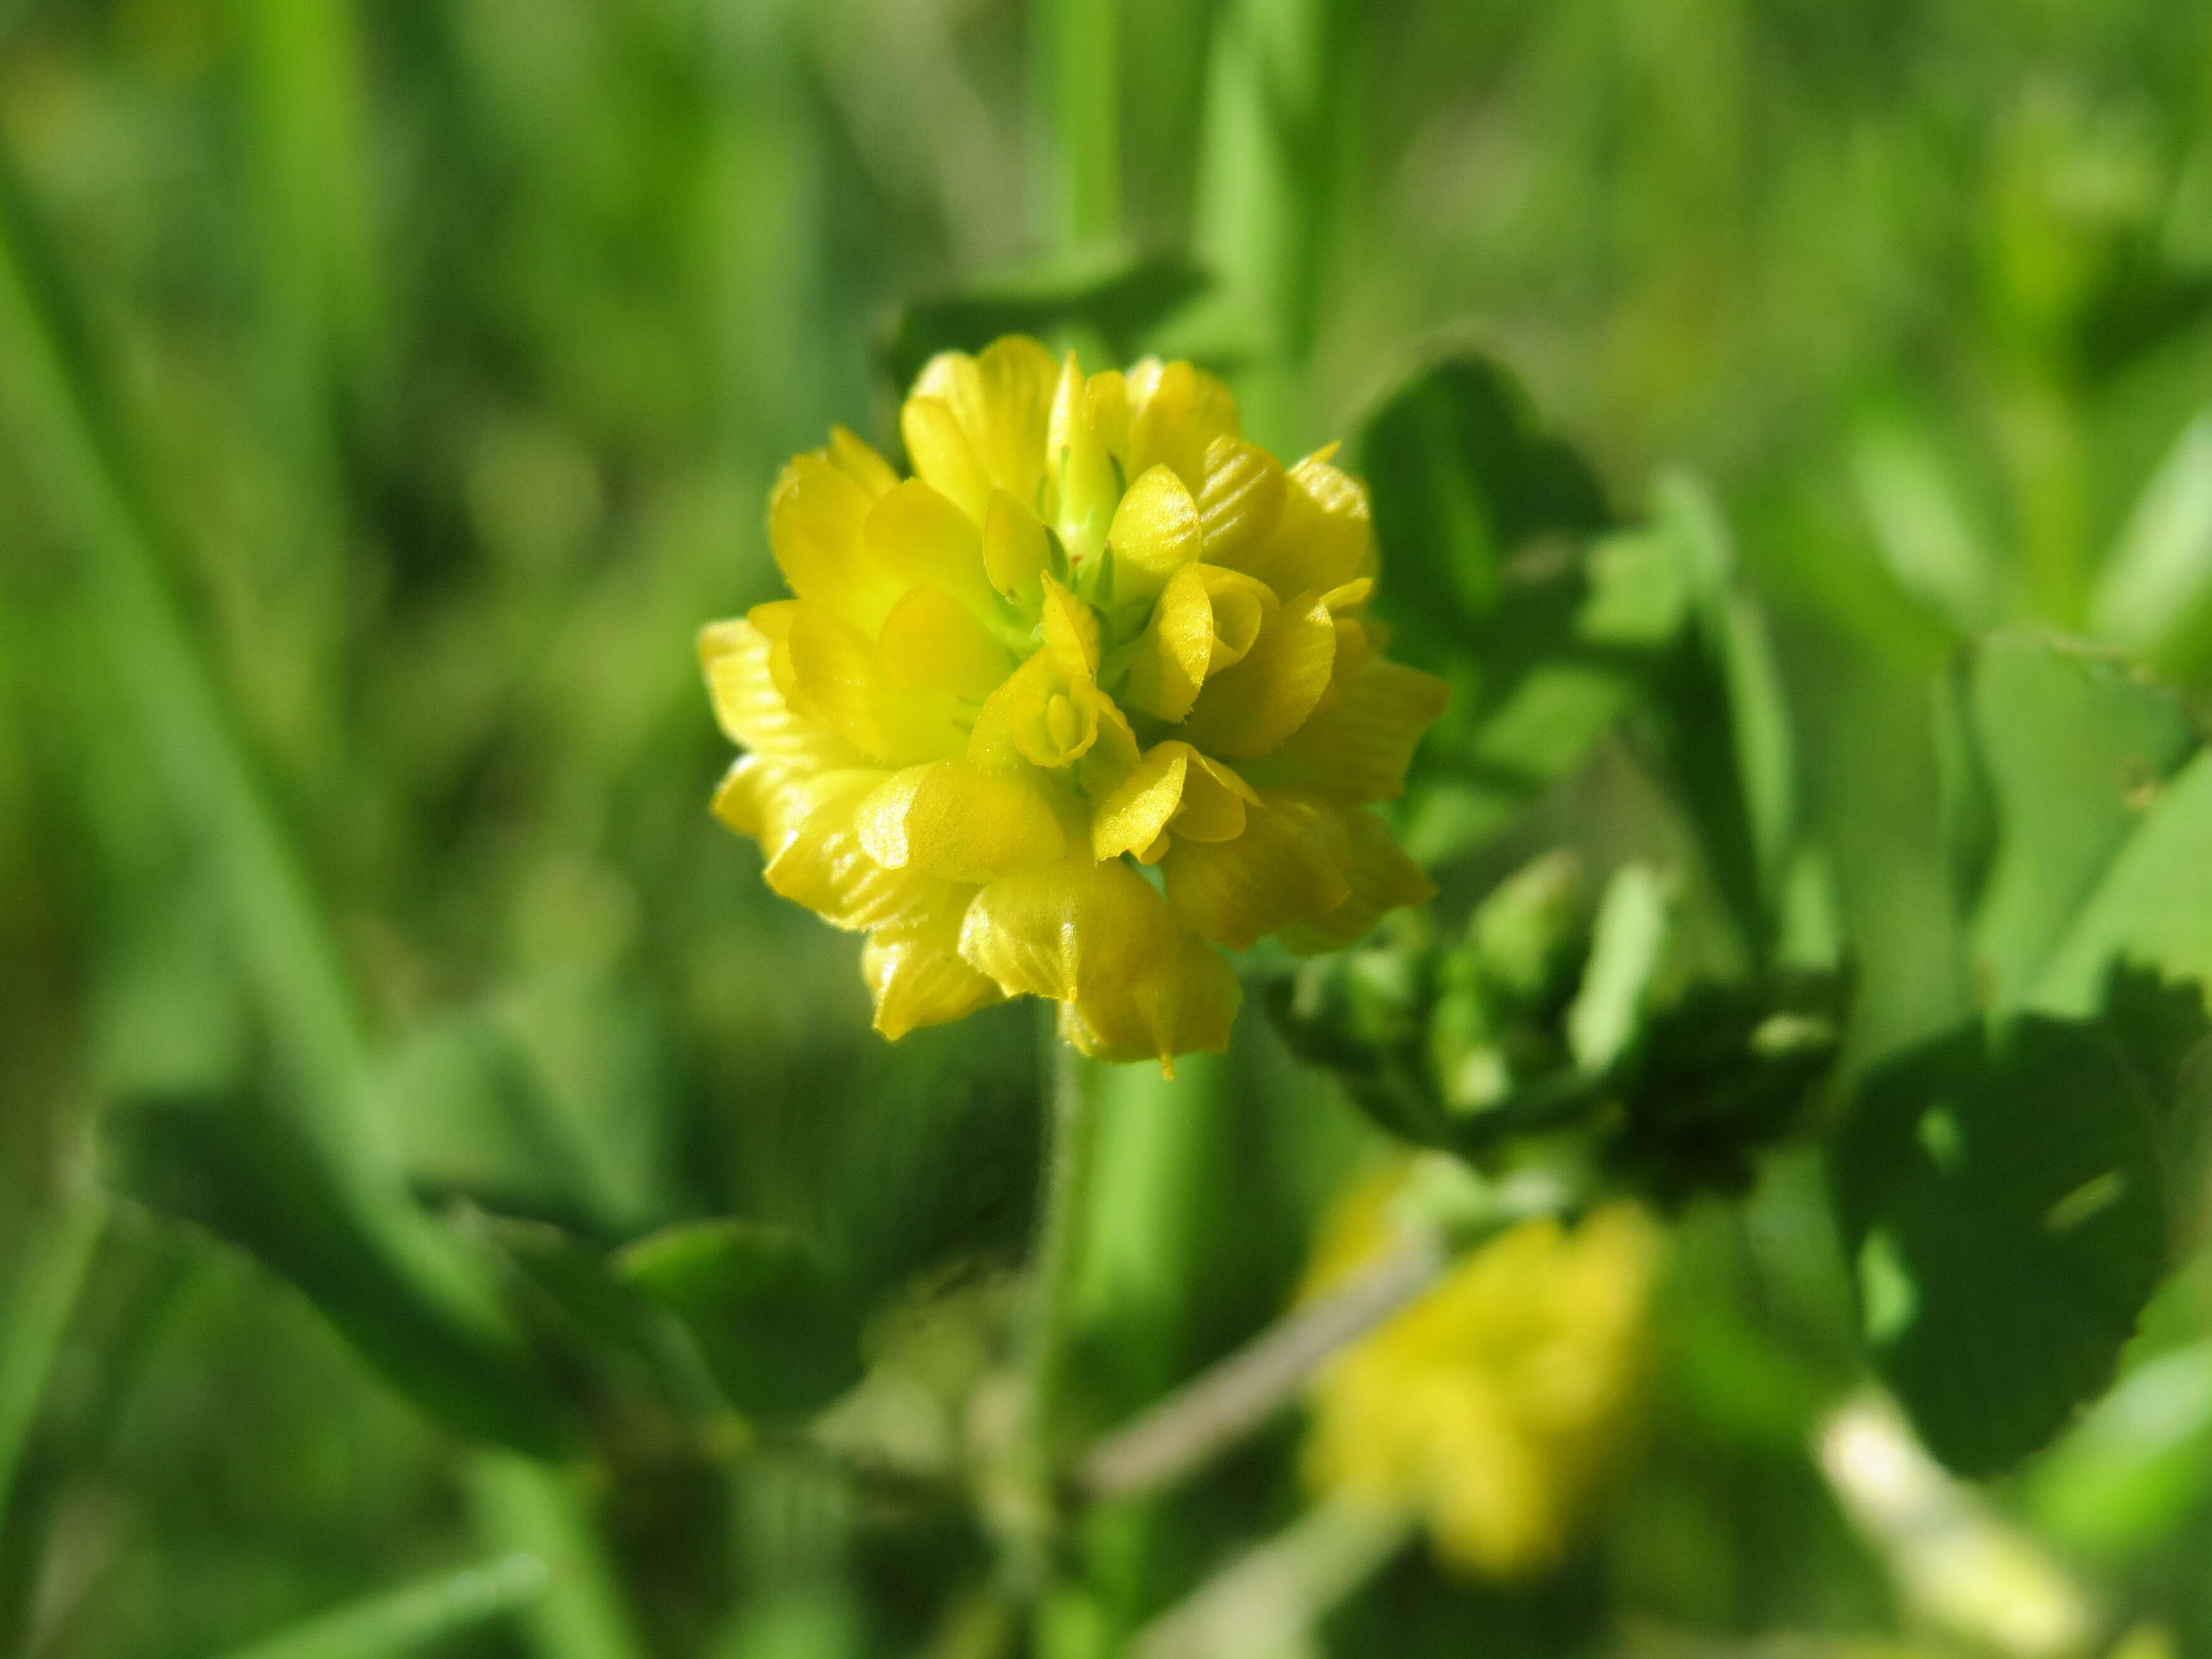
1495 1407
1097 636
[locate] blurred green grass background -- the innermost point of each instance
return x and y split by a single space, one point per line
391 390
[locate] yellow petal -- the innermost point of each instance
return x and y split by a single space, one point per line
933 642
1215 802
937 446
746 799
918 978
1381 878
815 856
958 820
1068 930
1321 539
858 461
1113 754
1360 749
1183 1002
1353 650
1282 869
1205 619
1001 399
1089 436
1017 549
1240 500
1135 816
835 675
1175 412
1040 715
1172 786
752 711
918 534
815 516
1252 707
1071 631
1156 532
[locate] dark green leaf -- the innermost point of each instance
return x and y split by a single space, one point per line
247 1175
1119 301
1720 725
2001 1199
1720 1075
1484 523
779 1330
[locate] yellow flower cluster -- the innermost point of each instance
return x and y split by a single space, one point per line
1494 1407
1093 688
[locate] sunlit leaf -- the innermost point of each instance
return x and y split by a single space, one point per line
2062 754
2154 598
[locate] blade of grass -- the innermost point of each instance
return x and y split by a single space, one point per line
403 1620
322 291
290 957
290 953
37 1314
1271 149
1076 92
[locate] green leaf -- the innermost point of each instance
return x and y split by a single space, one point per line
2154 597
1120 301
1628 948
1920 526
1485 525
1719 723
2136 1464
470 1112
2073 750
2001 1195
249 1175
2153 903
777 1328
407 1620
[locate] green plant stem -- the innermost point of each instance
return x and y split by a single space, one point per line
1059 1254
1222 1405
1075 88
1268 1599
38 1313
535 1509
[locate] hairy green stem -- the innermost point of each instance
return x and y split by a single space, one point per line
535 1510
1059 1257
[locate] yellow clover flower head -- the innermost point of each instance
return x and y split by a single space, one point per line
1093 691
1494 1407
